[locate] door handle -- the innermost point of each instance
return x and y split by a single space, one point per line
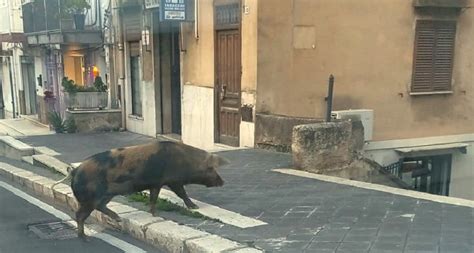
223 91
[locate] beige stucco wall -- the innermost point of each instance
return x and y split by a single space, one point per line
368 46
198 59
198 70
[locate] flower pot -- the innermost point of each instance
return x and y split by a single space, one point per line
79 21
86 100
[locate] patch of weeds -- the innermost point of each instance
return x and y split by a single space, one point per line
168 206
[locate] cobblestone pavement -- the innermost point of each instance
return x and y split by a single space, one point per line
307 215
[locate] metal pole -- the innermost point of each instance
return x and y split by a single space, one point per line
11 85
329 98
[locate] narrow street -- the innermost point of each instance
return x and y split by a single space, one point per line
20 218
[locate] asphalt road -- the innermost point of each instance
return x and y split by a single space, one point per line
17 215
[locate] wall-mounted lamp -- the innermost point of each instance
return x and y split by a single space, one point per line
146 38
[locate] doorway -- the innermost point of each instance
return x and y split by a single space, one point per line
228 68
29 84
170 77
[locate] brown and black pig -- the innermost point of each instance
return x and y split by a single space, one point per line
151 166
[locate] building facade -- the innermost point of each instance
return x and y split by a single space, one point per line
244 72
61 46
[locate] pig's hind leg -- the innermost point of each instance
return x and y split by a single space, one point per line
81 215
181 192
104 209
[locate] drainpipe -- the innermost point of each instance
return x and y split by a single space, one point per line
121 57
11 85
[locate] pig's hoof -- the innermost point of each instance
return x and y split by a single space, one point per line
84 238
192 206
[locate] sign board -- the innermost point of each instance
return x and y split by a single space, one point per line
150 4
173 10
26 1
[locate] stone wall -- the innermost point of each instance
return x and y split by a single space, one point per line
335 149
274 132
96 121
323 146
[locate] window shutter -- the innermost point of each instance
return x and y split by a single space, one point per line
434 55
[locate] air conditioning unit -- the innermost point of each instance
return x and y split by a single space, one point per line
364 115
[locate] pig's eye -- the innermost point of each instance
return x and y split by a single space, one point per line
210 168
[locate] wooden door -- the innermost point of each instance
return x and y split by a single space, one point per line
228 73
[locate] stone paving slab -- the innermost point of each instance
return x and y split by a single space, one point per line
310 215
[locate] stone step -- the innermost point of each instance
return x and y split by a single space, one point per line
27 159
45 151
14 149
51 162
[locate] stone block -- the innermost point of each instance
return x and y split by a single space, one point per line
170 236
212 243
274 132
136 223
72 202
322 146
96 120
60 193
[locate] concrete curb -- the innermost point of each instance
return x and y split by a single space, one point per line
166 235
50 162
14 149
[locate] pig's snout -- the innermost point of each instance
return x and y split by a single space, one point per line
215 182
219 181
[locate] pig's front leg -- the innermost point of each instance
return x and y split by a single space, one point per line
153 198
181 192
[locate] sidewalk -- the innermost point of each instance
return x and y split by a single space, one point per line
303 215
22 127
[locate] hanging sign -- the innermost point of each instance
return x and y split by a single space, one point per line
173 10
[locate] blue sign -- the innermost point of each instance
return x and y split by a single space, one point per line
173 10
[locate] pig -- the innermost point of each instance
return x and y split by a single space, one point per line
145 167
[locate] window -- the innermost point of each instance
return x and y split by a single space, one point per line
430 174
135 79
434 55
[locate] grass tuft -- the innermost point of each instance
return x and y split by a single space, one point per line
168 206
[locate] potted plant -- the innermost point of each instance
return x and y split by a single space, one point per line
85 97
77 9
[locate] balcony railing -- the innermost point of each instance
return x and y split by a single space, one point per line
47 15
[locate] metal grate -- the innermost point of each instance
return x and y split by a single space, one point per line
53 231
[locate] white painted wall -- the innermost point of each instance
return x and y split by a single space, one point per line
10 11
462 167
247 134
16 79
462 174
247 129
197 116
146 124
7 97
4 12
16 22
40 70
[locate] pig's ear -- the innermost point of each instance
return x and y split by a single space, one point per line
221 161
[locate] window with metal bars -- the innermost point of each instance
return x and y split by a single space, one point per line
434 56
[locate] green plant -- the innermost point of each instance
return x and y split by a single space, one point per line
56 122
69 85
70 125
75 6
167 206
99 84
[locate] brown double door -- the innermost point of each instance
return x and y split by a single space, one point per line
228 73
